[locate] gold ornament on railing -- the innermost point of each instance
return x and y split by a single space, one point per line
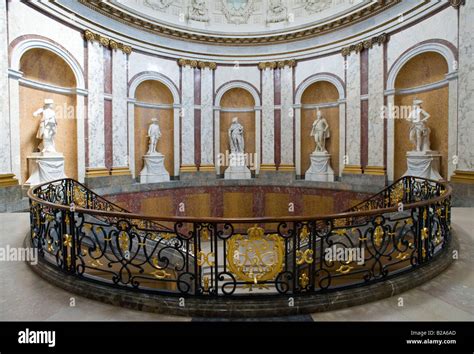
256 257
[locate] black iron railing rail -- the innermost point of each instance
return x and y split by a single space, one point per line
397 230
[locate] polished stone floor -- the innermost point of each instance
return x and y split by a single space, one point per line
450 296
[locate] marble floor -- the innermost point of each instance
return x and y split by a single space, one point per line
450 296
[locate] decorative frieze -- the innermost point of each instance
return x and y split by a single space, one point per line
107 42
277 64
367 44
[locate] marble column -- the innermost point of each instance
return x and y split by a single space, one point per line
287 119
465 166
95 110
375 163
390 134
268 124
120 161
187 117
207 148
353 125
7 177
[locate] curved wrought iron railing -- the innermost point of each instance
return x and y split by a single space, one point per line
395 231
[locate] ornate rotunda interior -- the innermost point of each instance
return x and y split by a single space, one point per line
234 154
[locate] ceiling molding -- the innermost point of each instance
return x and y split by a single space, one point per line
134 20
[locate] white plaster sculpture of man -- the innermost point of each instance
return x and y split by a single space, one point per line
47 128
419 132
154 134
320 131
236 137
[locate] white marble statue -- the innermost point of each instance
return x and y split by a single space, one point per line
236 137
154 134
198 11
47 128
320 132
419 132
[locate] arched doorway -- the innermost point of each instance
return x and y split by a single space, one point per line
154 100
237 102
38 83
422 78
323 95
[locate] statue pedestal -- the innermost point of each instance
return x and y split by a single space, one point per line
45 167
154 169
237 172
424 164
320 169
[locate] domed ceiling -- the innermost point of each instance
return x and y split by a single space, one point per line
239 21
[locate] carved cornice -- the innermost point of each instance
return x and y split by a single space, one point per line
107 42
276 64
105 8
457 3
367 44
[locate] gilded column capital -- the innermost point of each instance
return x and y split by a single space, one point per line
457 3
106 42
207 64
267 65
188 62
365 45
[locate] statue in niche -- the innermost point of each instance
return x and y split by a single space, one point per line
154 134
419 132
320 131
47 128
276 12
236 137
198 11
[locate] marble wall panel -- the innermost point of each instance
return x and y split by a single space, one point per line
5 147
353 137
466 88
187 117
268 125
207 136
95 109
376 101
119 109
287 117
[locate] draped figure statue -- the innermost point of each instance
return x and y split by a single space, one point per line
47 128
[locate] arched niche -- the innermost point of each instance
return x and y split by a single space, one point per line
154 100
422 70
240 103
325 95
47 75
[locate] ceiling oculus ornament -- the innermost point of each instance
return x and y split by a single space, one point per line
237 11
